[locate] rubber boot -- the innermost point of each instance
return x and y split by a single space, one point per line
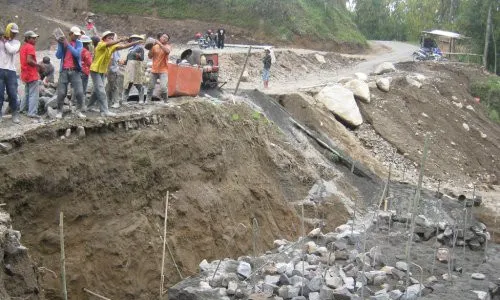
15 117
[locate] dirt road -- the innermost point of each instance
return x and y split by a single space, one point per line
382 51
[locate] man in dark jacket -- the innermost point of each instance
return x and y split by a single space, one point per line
221 33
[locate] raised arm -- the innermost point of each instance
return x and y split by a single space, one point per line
127 45
12 46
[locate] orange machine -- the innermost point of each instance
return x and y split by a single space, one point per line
184 80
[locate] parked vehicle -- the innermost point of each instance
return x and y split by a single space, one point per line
423 54
429 51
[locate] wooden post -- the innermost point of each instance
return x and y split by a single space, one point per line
63 263
243 70
164 243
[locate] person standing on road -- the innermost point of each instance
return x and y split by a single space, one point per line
69 52
221 34
134 70
159 54
266 72
9 46
102 58
29 74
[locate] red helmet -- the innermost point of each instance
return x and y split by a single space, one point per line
198 35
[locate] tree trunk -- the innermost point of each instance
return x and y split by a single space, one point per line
487 38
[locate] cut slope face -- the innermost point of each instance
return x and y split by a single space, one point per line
226 168
465 144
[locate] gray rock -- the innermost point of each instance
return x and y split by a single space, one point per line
232 287
314 296
384 84
381 296
401 265
6 147
315 284
272 279
380 279
284 280
80 131
244 269
325 293
384 68
342 293
478 276
395 294
299 298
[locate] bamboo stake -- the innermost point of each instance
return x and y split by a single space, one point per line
243 70
95 294
414 206
63 260
175 264
164 244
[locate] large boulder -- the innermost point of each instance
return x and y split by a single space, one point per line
340 101
360 89
385 67
361 76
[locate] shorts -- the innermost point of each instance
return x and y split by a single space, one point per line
266 74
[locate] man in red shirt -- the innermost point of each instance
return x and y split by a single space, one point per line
29 74
86 62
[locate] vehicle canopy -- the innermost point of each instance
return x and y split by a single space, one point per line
445 40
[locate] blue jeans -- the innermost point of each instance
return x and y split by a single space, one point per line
8 80
66 77
30 102
85 84
99 92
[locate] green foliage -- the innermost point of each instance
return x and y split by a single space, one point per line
489 93
284 19
235 117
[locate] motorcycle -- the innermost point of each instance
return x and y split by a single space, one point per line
428 54
206 42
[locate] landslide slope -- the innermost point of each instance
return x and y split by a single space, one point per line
227 169
316 24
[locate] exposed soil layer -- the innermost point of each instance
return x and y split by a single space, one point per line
224 168
403 116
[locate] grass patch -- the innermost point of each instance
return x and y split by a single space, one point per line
489 93
282 19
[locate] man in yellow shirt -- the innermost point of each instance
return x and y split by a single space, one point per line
102 58
159 54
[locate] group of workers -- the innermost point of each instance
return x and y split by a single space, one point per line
81 57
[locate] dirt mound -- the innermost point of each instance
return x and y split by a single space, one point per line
458 153
225 168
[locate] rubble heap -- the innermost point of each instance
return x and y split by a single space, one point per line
18 278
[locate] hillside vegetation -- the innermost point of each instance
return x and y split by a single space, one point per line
317 20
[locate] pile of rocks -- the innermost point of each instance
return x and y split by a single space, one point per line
318 267
474 236
18 278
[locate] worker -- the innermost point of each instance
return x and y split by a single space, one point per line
29 74
69 52
221 34
266 72
159 54
9 47
134 70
